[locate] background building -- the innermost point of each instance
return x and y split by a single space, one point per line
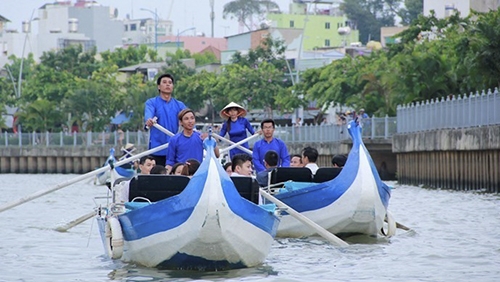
323 24
447 7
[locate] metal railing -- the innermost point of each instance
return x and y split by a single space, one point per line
373 128
479 109
63 139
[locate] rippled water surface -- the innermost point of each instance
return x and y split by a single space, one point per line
456 237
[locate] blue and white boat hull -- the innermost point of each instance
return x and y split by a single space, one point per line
208 226
354 202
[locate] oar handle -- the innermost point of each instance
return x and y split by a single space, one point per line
163 129
236 144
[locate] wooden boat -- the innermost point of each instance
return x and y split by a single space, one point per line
207 226
354 202
124 171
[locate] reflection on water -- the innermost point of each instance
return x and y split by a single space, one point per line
454 237
132 272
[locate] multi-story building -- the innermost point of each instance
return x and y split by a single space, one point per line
323 24
447 7
60 24
146 31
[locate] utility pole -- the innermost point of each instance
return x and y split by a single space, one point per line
212 15
156 25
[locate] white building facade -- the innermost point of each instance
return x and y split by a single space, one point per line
445 8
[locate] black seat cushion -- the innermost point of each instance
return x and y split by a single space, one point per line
326 173
247 187
157 187
298 174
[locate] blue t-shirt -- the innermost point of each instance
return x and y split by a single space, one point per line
166 112
181 148
237 133
260 149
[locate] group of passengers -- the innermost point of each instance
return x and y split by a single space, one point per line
185 150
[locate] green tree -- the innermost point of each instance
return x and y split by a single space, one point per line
483 40
71 59
370 16
40 115
132 99
412 9
126 57
245 10
256 87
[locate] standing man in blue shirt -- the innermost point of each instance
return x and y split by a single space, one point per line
261 147
166 109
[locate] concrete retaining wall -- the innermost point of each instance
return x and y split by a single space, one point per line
460 159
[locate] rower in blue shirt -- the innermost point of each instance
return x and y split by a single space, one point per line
187 144
269 143
166 109
236 126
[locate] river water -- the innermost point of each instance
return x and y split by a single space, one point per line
455 237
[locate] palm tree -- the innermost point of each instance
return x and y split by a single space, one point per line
244 10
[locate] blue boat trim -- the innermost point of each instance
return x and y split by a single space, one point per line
178 209
187 262
313 197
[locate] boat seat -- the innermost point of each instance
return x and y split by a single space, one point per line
247 187
298 174
326 174
156 187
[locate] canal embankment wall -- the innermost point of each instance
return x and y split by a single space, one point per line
460 159
83 159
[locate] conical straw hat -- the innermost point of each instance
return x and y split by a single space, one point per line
241 111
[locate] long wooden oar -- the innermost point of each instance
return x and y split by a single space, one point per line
400 226
238 144
302 218
71 224
169 133
163 129
77 179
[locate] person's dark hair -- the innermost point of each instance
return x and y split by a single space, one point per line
174 167
271 158
311 154
228 164
296 155
158 169
143 159
158 81
339 160
184 112
239 160
267 120
190 167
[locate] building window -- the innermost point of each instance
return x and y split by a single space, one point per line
133 27
327 42
292 24
327 25
126 27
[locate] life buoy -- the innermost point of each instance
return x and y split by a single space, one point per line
114 238
391 225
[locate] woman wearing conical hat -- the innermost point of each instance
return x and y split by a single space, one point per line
236 125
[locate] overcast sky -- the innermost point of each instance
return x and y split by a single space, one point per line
185 13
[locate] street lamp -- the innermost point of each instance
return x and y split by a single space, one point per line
179 34
156 25
27 30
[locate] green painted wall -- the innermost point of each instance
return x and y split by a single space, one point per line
316 31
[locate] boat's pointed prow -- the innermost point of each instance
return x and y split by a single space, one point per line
355 201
